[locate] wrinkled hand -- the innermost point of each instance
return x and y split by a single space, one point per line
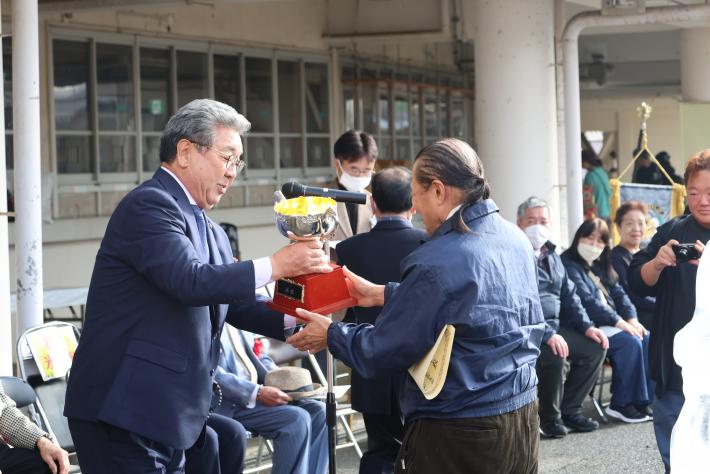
314 337
558 345
598 336
272 396
366 293
624 326
53 456
299 258
665 256
700 247
640 330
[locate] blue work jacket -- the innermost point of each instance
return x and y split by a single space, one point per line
484 282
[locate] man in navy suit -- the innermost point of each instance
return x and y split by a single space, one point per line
297 427
376 256
164 283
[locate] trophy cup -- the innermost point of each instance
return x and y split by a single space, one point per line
309 218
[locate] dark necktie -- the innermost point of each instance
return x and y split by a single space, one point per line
202 229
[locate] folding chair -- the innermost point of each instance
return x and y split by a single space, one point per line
598 399
23 396
50 393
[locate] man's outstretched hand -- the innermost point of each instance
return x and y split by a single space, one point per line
314 337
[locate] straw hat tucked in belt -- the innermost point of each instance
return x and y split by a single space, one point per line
295 382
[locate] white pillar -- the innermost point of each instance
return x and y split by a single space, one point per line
695 64
515 101
28 177
6 340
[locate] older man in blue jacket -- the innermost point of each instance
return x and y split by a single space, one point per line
572 349
478 274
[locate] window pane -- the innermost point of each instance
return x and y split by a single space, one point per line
117 154
349 107
430 125
317 115
114 79
226 80
383 147
369 111
289 97
291 153
401 116
151 153
416 111
384 108
259 100
318 152
403 152
260 152
155 88
457 119
71 85
443 115
7 79
74 154
191 76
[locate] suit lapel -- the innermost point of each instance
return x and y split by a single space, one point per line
344 219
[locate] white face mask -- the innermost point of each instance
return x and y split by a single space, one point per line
538 235
354 183
589 252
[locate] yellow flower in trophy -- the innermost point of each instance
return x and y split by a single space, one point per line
304 206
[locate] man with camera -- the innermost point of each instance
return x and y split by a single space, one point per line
667 269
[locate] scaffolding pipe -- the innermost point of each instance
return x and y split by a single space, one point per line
6 340
573 129
27 156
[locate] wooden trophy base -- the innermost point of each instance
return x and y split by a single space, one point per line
322 293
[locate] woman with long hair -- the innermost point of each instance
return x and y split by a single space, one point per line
631 219
588 263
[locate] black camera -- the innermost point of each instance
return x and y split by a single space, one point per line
685 252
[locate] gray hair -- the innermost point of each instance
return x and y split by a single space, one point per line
531 203
197 121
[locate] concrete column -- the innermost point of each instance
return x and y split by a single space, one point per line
28 176
695 64
516 128
6 339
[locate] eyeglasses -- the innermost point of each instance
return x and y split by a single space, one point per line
357 172
230 159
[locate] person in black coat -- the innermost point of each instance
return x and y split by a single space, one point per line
376 256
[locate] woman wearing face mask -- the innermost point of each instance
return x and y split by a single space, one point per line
631 219
588 264
355 156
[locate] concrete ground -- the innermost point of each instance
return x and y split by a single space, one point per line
614 448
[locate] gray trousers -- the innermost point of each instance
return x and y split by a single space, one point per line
564 383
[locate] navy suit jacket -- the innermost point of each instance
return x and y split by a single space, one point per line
154 314
376 256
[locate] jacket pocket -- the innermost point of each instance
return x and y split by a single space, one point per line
157 355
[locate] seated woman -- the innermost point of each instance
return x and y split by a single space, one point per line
588 264
631 219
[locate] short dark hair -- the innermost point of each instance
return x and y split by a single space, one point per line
353 145
700 161
392 189
590 157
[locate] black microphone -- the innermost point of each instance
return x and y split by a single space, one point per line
293 189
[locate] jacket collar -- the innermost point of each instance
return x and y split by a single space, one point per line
470 213
393 224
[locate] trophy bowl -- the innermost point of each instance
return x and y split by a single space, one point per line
307 218
310 218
